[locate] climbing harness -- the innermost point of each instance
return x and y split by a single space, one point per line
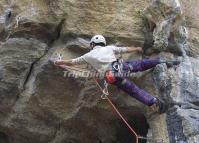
117 66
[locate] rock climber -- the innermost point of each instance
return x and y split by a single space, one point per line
103 59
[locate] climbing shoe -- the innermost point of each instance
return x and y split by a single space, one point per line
172 63
159 106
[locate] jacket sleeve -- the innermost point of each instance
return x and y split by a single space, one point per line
120 50
79 60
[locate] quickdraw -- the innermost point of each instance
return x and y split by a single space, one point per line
105 91
117 66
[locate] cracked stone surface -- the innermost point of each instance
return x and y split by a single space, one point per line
39 105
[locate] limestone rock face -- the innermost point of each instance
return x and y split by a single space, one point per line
17 57
40 103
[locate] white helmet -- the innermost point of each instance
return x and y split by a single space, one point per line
98 39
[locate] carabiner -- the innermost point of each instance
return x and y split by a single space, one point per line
103 96
105 91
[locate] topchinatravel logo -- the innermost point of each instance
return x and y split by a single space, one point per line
93 74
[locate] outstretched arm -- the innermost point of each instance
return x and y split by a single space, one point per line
119 50
134 49
64 62
71 62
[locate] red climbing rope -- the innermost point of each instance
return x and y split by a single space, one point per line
119 114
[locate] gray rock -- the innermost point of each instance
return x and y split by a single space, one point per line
39 105
18 56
